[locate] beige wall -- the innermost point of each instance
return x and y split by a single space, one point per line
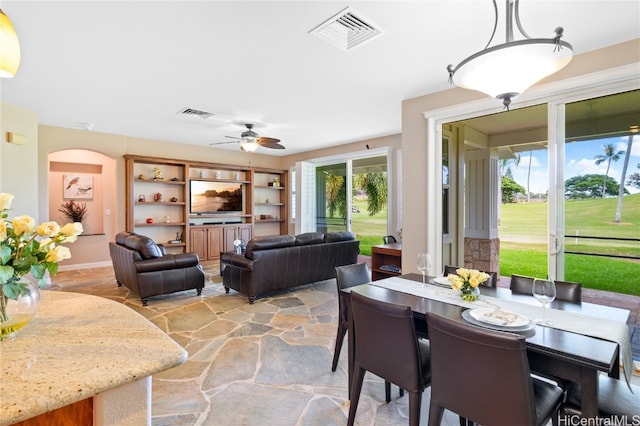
19 163
414 140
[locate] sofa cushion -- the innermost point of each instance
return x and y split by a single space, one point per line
121 237
309 238
147 248
268 243
339 236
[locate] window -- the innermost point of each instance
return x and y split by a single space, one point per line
292 195
445 186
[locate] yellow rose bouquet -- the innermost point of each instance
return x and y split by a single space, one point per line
466 281
24 248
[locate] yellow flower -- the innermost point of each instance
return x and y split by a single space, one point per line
71 229
3 230
57 254
24 225
48 229
46 244
5 200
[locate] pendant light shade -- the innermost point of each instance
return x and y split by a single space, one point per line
506 70
9 48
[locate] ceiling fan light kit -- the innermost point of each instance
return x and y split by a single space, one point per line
506 70
9 47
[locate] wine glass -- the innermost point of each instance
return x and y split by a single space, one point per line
544 291
424 264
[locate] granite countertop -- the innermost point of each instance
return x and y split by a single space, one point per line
76 347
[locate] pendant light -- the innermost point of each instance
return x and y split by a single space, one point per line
506 70
9 48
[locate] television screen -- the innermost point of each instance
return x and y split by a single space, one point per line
215 197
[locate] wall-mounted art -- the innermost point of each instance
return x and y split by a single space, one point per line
77 186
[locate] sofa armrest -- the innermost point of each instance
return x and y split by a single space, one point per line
170 261
238 260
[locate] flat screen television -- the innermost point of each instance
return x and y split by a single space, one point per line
208 197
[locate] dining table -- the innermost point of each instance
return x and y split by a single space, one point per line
575 356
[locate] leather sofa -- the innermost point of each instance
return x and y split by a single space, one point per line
147 270
283 261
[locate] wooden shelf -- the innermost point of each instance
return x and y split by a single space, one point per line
166 203
385 254
169 181
140 224
268 187
269 204
269 220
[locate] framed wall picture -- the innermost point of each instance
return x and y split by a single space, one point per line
77 186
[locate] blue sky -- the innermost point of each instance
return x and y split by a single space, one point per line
579 161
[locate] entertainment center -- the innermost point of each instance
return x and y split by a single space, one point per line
192 206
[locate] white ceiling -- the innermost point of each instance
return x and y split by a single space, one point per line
128 67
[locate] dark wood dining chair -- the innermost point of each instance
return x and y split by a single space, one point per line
347 276
567 291
387 346
483 376
388 239
492 282
615 400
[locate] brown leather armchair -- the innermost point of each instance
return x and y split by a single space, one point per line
147 270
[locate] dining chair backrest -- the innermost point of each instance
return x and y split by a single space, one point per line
492 282
350 276
483 376
386 341
388 239
346 276
521 284
569 291
387 346
565 290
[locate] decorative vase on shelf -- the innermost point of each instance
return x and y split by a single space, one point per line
17 313
469 294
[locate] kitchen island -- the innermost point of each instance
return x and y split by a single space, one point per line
85 352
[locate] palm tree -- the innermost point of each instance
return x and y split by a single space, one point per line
609 155
622 178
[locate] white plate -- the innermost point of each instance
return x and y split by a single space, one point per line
499 317
442 281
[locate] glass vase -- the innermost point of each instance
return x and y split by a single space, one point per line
15 314
469 294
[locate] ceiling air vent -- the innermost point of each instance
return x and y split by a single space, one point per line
192 112
346 30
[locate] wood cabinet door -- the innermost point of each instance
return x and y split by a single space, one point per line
245 232
197 242
214 242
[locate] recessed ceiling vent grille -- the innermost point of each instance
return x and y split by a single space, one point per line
192 112
346 30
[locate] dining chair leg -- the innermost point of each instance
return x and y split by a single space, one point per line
415 403
435 414
342 331
356 388
387 391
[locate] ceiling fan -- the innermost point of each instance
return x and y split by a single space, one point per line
250 140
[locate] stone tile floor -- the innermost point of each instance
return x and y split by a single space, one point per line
263 364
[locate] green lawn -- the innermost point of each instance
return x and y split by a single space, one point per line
523 242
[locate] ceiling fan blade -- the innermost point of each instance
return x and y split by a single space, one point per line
223 143
264 141
273 146
233 137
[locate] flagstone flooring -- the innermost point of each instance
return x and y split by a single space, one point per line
263 364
